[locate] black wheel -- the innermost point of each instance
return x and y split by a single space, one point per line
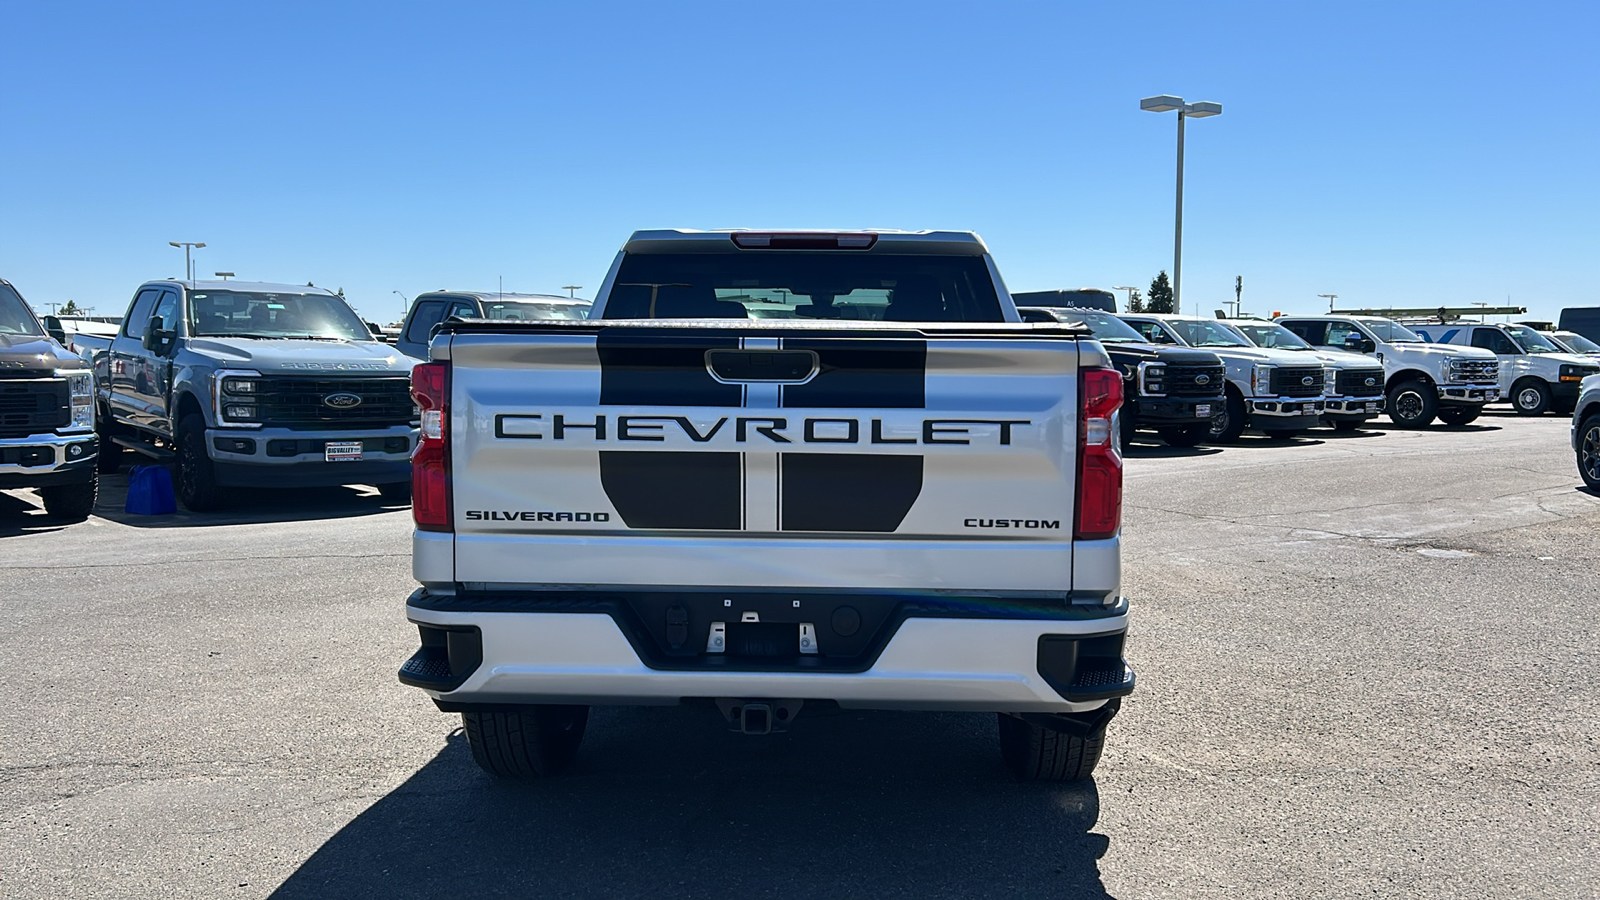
396 491
73 502
1413 404
1459 415
1346 425
1226 428
1589 451
110 458
196 478
1186 435
1283 434
1033 753
1530 397
1126 425
539 741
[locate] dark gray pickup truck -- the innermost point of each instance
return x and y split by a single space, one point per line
254 385
47 439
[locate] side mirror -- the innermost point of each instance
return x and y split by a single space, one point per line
59 334
158 337
1356 343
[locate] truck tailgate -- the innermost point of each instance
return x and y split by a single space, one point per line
742 455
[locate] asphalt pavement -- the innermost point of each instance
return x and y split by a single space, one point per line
1367 667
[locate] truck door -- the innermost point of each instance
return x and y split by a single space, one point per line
156 389
126 368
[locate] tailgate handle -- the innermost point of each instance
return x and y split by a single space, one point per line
763 366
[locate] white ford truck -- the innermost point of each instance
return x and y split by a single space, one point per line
772 470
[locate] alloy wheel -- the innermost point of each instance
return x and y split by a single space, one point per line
1408 404
1589 452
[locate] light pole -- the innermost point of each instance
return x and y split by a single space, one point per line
1201 110
223 275
1330 298
405 304
1129 305
188 267
571 289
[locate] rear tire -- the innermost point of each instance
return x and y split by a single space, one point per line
1226 428
1459 415
534 743
1413 404
196 478
1186 435
110 459
1589 451
1531 397
396 491
72 502
1033 753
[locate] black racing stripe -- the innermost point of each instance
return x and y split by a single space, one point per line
846 491
674 490
662 370
858 373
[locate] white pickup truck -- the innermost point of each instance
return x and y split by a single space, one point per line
772 470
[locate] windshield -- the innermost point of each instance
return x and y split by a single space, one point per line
804 285
1532 341
513 310
1108 329
1577 342
15 317
1271 336
1391 332
256 314
1206 333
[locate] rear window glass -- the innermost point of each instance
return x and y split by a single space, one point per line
804 285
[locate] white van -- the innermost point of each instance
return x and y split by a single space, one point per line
1536 374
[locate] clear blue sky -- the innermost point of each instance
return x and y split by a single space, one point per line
1392 153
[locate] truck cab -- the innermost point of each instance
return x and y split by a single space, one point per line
1586 431
245 384
428 310
1536 374
1277 392
1173 391
1354 383
1422 381
47 424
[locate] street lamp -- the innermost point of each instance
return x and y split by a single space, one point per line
188 267
1330 298
571 288
1131 290
1201 110
223 275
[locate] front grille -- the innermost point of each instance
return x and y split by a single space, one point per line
33 407
1475 371
1181 381
1359 383
1292 381
298 402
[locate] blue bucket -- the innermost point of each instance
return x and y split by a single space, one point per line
150 491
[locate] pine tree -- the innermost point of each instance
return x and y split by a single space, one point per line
1160 295
71 309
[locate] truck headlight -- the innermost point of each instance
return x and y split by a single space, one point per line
1330 380
80 387
1153 379
1261 381
237 394
236 385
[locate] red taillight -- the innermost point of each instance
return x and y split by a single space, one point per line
747 240
430 463
1099 461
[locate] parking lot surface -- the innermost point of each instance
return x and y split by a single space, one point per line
1367 667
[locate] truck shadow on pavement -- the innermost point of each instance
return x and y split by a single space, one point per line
18 516
666 802
249 506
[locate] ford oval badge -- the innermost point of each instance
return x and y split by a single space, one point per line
1202 379
1308 381
342 400
1372 382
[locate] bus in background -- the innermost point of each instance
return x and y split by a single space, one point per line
1082 298
1584 320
